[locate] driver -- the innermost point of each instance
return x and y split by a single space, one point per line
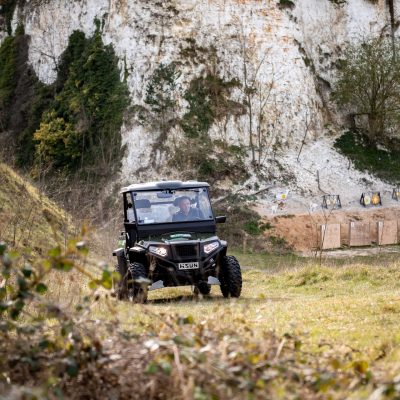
186 212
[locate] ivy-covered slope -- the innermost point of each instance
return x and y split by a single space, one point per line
73 124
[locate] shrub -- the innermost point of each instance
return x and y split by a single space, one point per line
208 100
381 163
58 144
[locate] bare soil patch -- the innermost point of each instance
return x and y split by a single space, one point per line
300 229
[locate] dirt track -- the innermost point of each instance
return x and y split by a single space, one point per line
300 229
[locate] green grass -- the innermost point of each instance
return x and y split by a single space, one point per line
299 330
365 157
342 303
340 310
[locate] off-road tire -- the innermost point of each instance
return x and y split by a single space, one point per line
230 277
202 288
120 287
136 292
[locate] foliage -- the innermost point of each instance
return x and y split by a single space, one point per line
32 348
381 163
58 144
91 98
37 106
51 351
211 160
161 98
208 160
244 228
254 227
208 100
8 55
88 96
369 84
23 99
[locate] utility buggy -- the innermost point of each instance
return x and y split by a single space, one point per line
170 240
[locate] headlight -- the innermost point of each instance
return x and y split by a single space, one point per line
160 251
209 247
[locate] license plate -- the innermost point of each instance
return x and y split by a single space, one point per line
189 265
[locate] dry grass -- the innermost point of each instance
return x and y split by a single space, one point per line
28 219
299 330
331 331
354 305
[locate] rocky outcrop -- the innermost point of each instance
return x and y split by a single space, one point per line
283 54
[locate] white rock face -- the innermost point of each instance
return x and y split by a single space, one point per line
290 56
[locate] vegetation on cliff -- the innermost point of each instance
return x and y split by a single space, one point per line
368 90
75 123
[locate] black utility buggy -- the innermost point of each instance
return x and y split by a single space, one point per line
170 240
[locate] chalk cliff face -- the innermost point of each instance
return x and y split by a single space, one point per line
285 51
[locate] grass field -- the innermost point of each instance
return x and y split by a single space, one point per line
353 303
343 314
300 330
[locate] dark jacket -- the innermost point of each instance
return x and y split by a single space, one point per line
194 213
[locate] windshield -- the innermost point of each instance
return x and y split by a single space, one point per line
163 206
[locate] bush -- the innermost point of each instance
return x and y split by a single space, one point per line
49 351
59 145
88 99
381 163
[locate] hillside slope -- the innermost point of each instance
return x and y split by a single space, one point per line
28 219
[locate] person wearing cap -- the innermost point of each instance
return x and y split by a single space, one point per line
186 212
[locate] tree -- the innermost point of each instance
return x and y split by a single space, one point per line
91 97
161 98
260 98
369 84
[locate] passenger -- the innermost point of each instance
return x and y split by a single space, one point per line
186 212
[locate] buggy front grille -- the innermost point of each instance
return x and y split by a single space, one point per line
186 250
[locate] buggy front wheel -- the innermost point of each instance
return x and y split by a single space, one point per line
230 277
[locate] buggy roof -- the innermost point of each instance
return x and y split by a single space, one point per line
162 185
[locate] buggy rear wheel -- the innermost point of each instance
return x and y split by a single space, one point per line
230 277
136 283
